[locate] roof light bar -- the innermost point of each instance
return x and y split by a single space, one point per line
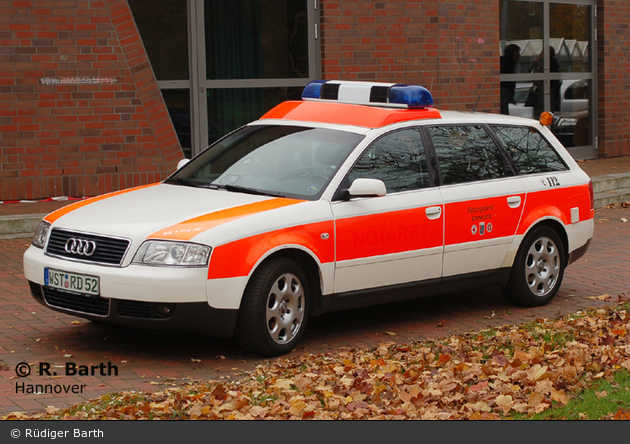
369 93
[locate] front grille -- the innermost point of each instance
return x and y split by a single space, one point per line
95 305
36 290
110 251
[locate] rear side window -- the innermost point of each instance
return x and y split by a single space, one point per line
466 154
529 150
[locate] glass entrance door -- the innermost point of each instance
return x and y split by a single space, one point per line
548 64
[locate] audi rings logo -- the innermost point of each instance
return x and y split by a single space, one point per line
81 247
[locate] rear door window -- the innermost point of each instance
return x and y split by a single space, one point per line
466 153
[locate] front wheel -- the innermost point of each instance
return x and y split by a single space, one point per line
274 311
538 268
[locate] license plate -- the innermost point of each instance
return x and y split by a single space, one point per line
76 283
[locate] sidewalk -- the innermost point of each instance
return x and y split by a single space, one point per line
21 219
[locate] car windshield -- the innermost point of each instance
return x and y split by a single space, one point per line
276 160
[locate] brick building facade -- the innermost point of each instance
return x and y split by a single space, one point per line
449 47
81 112
613 66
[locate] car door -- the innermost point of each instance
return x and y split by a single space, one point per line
396 238
483 199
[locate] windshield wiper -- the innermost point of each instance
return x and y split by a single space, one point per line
242 189
182 181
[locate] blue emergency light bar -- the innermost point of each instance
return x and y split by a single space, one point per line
369 93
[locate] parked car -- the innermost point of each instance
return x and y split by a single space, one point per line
359 194
571 124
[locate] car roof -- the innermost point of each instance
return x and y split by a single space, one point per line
369 116
347 114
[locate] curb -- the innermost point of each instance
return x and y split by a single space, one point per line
20 225
611 189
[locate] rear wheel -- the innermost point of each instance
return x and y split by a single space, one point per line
538 268
274 311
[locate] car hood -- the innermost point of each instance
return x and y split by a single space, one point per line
160 211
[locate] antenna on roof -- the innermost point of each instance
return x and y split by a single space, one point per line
482 88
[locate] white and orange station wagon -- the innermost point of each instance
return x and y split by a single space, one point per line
359 194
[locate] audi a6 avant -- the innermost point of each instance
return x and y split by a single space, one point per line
358 194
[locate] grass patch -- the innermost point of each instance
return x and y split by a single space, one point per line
599 401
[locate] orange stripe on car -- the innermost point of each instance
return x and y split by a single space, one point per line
52 217
558 203
188 229
387 233
237 258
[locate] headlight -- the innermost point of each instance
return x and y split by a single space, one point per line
41 233
172 254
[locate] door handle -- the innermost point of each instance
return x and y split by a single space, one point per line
514 201
433 212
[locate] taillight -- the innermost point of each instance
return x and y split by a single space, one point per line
590 193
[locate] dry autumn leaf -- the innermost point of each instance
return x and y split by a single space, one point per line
484 375
603 297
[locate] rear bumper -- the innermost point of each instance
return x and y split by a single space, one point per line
578 252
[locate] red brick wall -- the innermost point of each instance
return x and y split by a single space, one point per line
80 111
451 47
613 19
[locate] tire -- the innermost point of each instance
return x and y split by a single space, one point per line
274 311
538 268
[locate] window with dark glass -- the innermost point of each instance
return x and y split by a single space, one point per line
178 105
164 31
466 154
398 159
529 150
256 39
570 35
230 108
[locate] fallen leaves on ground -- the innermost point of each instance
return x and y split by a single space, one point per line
486 375
618 205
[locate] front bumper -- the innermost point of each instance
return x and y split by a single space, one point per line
171 298
191 316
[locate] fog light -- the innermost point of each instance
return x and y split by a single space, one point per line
165 310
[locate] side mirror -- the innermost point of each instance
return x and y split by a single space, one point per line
363 187
182 162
